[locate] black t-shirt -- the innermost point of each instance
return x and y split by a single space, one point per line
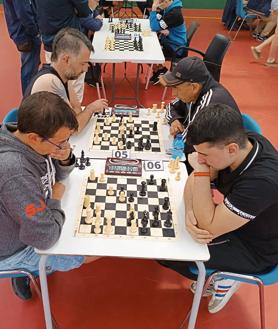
251 192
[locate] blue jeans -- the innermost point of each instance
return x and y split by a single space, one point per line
30 62
27 259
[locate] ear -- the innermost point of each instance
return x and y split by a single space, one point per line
233 148
33 138
65 58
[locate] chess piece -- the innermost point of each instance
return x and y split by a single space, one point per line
87 201
120 145
89 215
131 198
98 210
102 178
110 191
169 220
133 228
130 119
97 228
128 145
114 141
143 189
155 126
172 167
114 117
162 106
96 139
98 127
149 112
154 108
92 175
151 180
166 203
178 176
108 228
177 163
87 163
148 144
163 187
105 137
122 196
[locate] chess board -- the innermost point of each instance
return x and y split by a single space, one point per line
112 130
123 27
119 212
124 45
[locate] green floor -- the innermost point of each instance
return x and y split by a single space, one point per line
204 4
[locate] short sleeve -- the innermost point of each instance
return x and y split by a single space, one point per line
49 82
172 19
248 199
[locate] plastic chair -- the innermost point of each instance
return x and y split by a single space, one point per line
11 116
260 279
250 124
193 27
242 13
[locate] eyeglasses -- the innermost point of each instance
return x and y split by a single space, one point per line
59 146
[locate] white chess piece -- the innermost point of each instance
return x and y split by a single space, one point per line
110 191
122 196
108 228
154 108
96 139
98 210
89 215
105 137
87 201
114 117
102 178
133 227
162 106
97 229
92 174
177 163
120 145
178 176
114 141
130 119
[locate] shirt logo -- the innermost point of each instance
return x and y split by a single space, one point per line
31 210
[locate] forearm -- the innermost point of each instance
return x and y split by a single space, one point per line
188 197
203 205
83 118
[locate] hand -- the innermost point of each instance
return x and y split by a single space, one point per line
62 154
201 236
99 17
194 163
97 106
155 5
176 127
58 190
165 32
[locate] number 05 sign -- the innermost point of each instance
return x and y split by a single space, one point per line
153 165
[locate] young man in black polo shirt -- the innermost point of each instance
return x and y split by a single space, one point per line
241 231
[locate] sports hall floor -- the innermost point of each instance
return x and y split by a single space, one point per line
139 294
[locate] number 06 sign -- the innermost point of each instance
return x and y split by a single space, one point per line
153 165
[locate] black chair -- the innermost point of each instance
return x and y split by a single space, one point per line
213 57
190 33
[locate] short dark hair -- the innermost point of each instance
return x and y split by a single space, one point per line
69 40
217 124
44 113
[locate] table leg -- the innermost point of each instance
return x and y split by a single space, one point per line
198 294
113 81
44 291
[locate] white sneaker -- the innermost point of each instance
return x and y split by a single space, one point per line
210 289
224 289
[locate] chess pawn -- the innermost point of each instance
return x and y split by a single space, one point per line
87 201
102 178
114 117
122 196
98 127
98 210
105 137
92 174
177 163
96 139
149 112
110 191
108 228
89 215
154 108
130 119
172 167
120 145
178 176
97 229
106 121
133 227
170 164
114 141
131 209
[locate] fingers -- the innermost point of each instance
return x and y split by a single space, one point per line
198 234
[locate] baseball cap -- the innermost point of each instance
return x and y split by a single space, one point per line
189 69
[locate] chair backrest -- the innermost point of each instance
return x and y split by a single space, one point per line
11 116
240 11
193 27
250 124
215 53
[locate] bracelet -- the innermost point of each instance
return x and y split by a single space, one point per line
201 174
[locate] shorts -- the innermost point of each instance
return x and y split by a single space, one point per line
28 259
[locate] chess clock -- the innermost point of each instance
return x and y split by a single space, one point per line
124 110
124 167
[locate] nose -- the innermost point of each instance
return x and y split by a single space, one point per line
201 158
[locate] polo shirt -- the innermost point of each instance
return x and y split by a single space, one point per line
251 192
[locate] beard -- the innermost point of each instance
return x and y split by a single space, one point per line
70 75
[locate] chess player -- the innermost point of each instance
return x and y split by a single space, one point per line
242 230
194 89
70 58
35 156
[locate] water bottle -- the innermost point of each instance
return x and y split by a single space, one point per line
177 147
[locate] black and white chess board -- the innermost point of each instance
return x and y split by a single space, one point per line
135 44
124 27
139 129
164 226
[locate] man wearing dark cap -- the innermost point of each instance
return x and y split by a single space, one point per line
194 88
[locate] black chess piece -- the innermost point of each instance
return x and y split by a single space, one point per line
148 144
151 180
123 139
76 163
131 198
139 27
130 134
87 163
169 220
81 166
140 144
155 126
166 203
135 44
137 130
155 222
130 218
82 157
163 187
145 218
143 189
128 145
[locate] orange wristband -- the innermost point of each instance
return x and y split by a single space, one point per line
201 174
